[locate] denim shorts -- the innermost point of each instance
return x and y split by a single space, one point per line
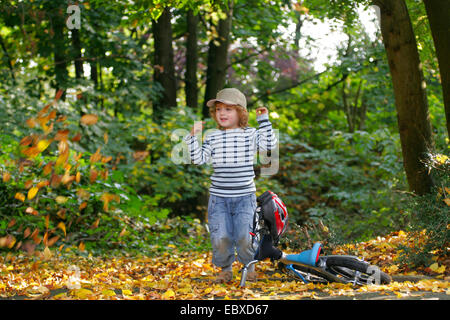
230 221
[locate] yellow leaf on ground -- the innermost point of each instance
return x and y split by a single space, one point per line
82 293
168 294
435 267
126 292
393 268
207 290
109 293
447 201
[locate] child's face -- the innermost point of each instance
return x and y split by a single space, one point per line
227 116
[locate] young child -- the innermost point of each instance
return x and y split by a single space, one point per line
232 201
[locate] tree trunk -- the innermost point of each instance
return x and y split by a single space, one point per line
217 59
59 51
438 13
409 91
76 45
94 73
8 59
164 69
191 89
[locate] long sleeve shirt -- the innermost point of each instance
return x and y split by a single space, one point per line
232 153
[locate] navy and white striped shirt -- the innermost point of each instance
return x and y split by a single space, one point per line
231 153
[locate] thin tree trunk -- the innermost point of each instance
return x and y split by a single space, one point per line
59 51
438 13
164 69
409 91
191 89
94 73
8 58
76 45
217 59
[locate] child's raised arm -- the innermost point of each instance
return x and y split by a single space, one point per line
199 155
265 137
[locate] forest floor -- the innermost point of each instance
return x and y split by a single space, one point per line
177 275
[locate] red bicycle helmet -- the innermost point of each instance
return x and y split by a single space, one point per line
274 213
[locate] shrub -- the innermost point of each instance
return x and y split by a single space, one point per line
53 194
430 214
348 186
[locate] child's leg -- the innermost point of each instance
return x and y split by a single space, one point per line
244 209
221 232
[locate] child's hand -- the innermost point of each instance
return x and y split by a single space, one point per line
261 110
198 127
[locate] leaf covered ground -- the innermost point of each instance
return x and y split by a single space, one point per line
173 274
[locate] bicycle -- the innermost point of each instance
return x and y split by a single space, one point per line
309 266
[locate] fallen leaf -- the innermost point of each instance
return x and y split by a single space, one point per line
89 119
32 211
62 226
108 293
123 232
126 292
82 293
20 196
61 199
95 224
32 193
435 268
168 294
6 176
96 156
11 222
43 144
47 254
26 233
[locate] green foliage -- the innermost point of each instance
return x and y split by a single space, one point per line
430 215
167 170
353 186
63 195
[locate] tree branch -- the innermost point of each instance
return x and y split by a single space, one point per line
295 84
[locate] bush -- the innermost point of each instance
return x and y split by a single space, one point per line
52 194
349 186
430 216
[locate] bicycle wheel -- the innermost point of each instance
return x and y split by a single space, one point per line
354 270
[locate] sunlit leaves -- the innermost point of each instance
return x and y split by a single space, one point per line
52 184
177 275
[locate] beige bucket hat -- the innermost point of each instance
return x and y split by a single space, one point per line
229 96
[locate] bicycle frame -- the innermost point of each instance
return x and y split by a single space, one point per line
293 259
308 259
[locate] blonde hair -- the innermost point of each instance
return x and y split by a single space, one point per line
242 114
